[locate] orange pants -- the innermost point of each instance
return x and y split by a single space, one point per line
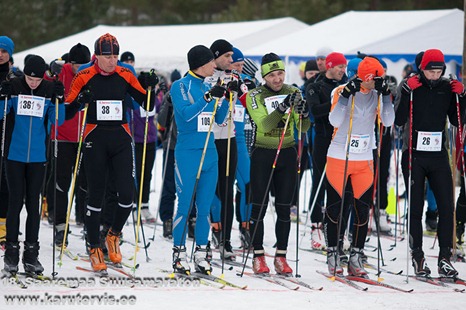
361 173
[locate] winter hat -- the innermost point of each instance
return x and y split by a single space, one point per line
127 56
66 57
433 59
35 66
369 68
271 62
323 52
176 75
7 44
221 47
237 55
79 54
106 45
198 56
417 61
352 68
250 68
311 65
334 59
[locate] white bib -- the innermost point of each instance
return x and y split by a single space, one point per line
238 113
203 121
359 144
429 141
109 110
31 105
271 103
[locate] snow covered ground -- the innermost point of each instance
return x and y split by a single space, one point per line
259 293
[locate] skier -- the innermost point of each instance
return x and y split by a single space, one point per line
354 109
427 99
31 101
194 102
103 87
272 107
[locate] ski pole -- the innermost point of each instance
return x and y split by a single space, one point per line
77 166
266 193
300 148
141 183
345 170
55 167
3 139
410 158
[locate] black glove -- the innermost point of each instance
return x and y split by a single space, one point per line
58 90
287 102
382 86
351 87
218 91
150 79
85 97
233 86
5 89
302 108
56 66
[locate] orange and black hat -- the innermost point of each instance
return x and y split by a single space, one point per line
106 45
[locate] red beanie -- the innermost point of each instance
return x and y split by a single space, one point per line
433 59
369 68
334 59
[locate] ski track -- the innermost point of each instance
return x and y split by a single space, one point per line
258 293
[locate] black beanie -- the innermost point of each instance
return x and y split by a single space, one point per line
418 60
198 56
311 65
271 62
221 47
35 66
176 75
79 54
106 45
127 56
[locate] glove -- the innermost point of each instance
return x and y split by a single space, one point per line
351 87
289 101
233 86
58 89
382 86
411 84
150 79
56 66
218 91
85 97
302 109
457 87
5 89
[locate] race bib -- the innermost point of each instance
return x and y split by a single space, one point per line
359 144
271 103
429 141
143 112
238 114
109 110
31 105
203 121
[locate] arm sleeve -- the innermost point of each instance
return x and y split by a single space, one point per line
265 122
318 109
338 113
388 113
401 107
183 106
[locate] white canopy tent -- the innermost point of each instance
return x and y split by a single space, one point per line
165 47
395 36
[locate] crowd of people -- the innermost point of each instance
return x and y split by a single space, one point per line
88 126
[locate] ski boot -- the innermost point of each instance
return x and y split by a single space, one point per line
245 237
202 258
147 217
280 263
59 235
96 256
419 263
11 258
445 268
342 254
333 261
31 262
355 263
259 265
168 229
216 235
226 252
112 242
317 237
180 260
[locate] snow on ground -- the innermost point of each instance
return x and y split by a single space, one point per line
259 293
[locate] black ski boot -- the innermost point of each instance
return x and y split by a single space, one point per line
445 268
419 263
202 258
180 260
31 262
168 229
11 258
